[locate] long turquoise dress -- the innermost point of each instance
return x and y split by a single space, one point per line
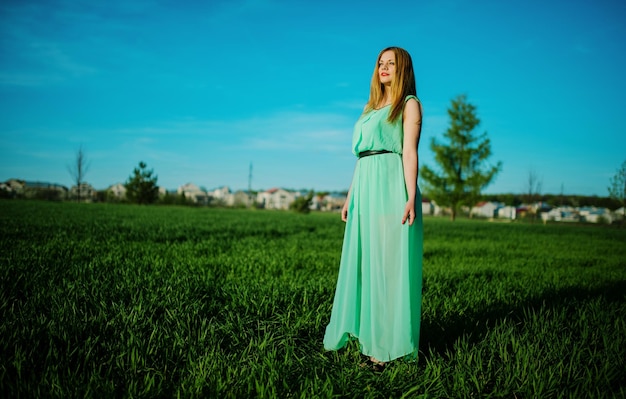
379 287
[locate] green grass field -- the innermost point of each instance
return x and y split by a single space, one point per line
104 300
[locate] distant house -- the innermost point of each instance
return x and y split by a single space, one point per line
428 208
327 202
561 214
16 186
41 190
335 201
58 191
241 198
276 198
619 213
439 210
521 211
592 214
600 216
222 196
221 192
193 193
486 209
506 212
117 191
84 192
319 202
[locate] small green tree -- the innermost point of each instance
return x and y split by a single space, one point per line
182 199
167 199
461 160
617 189
141 186
302 204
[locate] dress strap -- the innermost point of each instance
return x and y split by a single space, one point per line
407 98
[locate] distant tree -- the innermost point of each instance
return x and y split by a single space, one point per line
533 191
181 199
533 186
78 170
510 199
302 204
170 198
617 189
461 160
562 195
102 196
141 186
6 194
506 198
167 199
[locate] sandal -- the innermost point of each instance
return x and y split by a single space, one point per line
375 365
378 366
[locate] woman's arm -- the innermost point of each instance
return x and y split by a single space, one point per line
344 209
412 123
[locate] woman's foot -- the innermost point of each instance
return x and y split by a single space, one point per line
377 365
374 364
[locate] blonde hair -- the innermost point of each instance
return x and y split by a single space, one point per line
402 86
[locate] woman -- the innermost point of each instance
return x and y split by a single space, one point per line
378 294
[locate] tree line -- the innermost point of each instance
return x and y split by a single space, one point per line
462 172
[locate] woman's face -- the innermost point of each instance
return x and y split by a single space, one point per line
387 67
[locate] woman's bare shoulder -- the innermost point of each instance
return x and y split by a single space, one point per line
413 107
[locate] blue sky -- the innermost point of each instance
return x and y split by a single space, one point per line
199 90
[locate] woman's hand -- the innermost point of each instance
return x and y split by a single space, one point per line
409 213
344 211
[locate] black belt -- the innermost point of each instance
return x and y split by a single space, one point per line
372 152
